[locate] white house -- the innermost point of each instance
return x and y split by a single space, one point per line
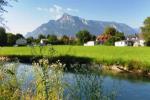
132 38
121 43
89 43
139 43
142 43
130 43
43 41
21 42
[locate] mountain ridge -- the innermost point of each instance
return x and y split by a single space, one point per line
69 25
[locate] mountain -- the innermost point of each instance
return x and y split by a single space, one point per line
137 30
70 25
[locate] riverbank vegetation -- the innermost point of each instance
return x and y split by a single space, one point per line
130 57
48 81
146 31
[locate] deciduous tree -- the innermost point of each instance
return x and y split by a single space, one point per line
19 36
30 40
3 4
41 36
65 39
146 31
110 31
52 39
11 39
83 36
3 37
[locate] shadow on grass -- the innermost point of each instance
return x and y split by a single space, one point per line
66 59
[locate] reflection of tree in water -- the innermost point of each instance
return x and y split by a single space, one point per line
88 86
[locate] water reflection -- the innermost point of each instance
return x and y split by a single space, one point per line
21 81
87 86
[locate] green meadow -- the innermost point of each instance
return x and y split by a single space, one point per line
133 57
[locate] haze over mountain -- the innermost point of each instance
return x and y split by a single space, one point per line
70 25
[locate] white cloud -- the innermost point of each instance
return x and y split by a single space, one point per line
42 9
72 10
57 11
39 8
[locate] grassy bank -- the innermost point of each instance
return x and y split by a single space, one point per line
131 57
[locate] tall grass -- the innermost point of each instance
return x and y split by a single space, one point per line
131 57
50 84
9 85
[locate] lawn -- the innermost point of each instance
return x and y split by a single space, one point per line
107 54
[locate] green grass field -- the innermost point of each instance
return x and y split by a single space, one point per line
105 54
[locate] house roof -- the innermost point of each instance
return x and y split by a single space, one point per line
103 37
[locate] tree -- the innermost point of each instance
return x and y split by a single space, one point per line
112 40
3 4
110 31
41 36
30 40
52 39
110 36
3 37
93 37
120 36
146 31
11 39
83 36
117 37
65 39
19 36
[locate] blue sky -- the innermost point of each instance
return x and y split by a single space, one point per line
26 15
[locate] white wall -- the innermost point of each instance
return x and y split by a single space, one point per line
90 43
142 42
120 43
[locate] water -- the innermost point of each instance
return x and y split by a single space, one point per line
83 85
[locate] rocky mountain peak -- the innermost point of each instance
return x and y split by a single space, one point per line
70 25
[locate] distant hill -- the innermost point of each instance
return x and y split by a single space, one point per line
70 25
137 30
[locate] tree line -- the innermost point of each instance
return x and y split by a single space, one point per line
8 39
80 38
109 36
